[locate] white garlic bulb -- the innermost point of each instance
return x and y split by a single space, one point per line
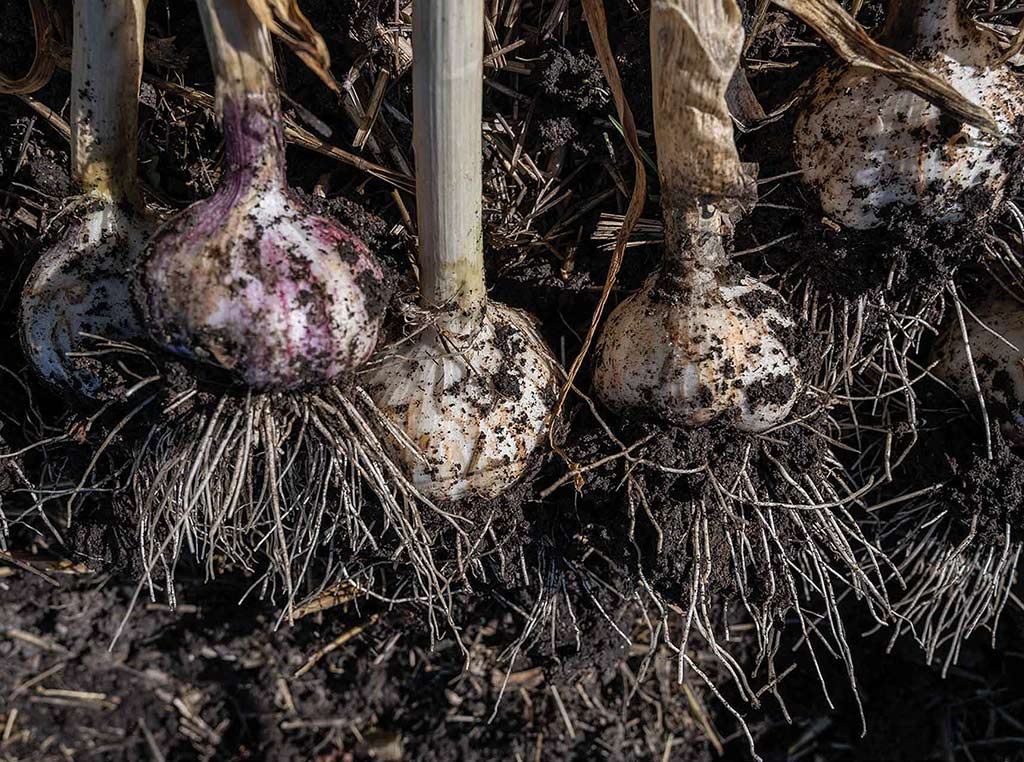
81 285
696 354
475 403
77 289
997 351
865 144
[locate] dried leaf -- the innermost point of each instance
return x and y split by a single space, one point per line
1016 45
695 49
744 106
284 19
851 42
42 63
597 23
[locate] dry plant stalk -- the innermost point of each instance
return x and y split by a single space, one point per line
43 63
104 147
695 50
849 40
448 89
284 19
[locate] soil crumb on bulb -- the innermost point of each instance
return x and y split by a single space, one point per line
865 144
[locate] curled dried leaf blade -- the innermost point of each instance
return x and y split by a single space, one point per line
284 19
849 40
1016 45
43 63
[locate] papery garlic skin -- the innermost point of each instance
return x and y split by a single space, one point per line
476 408
997 351
865 145
696 356
250 281
79 289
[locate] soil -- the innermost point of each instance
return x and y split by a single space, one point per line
16 37
540 668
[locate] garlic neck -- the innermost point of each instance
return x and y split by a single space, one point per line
457 324
253 139
106 68
694 242
447 106
247 96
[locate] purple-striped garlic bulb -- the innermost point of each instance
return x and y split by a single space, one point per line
78 293
866 145
249 280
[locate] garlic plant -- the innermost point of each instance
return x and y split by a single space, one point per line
698 343
78 293
865 144
993 353
472 384
248 280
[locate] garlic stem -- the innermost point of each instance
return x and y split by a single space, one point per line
695 49
106 67
474 391
247 96
447 112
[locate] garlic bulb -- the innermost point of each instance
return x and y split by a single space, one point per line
865 145
249 280
476 404
997 351
699 342
472 386
78 291
695 355
80 288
